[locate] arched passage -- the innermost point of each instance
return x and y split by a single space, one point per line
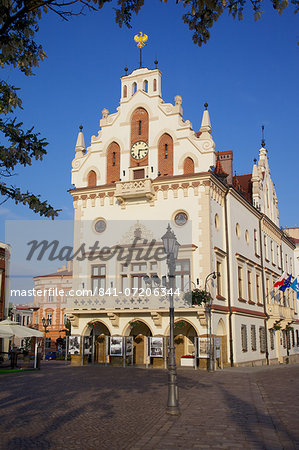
140 331
184 335
100 333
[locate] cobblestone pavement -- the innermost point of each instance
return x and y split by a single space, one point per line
63 407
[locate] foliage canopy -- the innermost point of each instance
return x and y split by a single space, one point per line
18 26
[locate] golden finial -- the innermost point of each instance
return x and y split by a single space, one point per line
140 39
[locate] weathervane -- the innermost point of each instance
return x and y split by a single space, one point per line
141 40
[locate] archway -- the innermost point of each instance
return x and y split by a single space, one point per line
100 333
184 335
140 331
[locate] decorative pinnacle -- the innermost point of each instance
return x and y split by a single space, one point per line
81 128
254 160
263 137
156 63
126 70
206 105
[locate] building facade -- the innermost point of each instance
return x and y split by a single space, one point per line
50 303
147 168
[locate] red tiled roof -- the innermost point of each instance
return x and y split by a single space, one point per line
243 184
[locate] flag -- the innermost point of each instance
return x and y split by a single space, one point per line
280 281
295 287
286 284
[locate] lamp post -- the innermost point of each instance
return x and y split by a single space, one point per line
46 323
214 276
171 247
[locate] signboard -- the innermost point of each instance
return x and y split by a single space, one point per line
87 346
116 346
203 347
129 345
156 347
74 345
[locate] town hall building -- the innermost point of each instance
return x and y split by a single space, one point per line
145 170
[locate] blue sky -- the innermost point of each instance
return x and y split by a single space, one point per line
247 72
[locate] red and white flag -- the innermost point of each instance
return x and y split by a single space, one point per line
280 280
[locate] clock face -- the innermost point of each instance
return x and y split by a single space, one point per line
139 150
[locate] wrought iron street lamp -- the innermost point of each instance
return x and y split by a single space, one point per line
46 323
171 247
214 276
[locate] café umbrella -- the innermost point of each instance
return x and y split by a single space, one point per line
8 329
15 329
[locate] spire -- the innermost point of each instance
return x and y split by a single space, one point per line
255 173
206 123
80 145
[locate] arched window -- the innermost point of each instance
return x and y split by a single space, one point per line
92 179
145 86
134 88
113 163
188 165
155 85
165 155
125 91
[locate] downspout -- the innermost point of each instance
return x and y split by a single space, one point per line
228 281
264 291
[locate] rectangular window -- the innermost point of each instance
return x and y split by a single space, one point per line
266 248
272 334
268 290
258 288
49 318
98 277
249 281
124 283
50 298
219 278
255 243
182 275
262 339
297 337
293 337
253 338
277 255
287 268
244 338
240 281
284 339
272 252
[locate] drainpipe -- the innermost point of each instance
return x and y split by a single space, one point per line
264 290
228 281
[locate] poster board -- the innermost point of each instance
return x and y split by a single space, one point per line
203 347
74 345
87 345
156 347
129 345
116 346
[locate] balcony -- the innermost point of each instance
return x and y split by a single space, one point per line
134 189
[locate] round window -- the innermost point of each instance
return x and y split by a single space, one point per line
100 226
181 218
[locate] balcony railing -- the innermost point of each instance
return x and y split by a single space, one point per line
132 189
123 303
